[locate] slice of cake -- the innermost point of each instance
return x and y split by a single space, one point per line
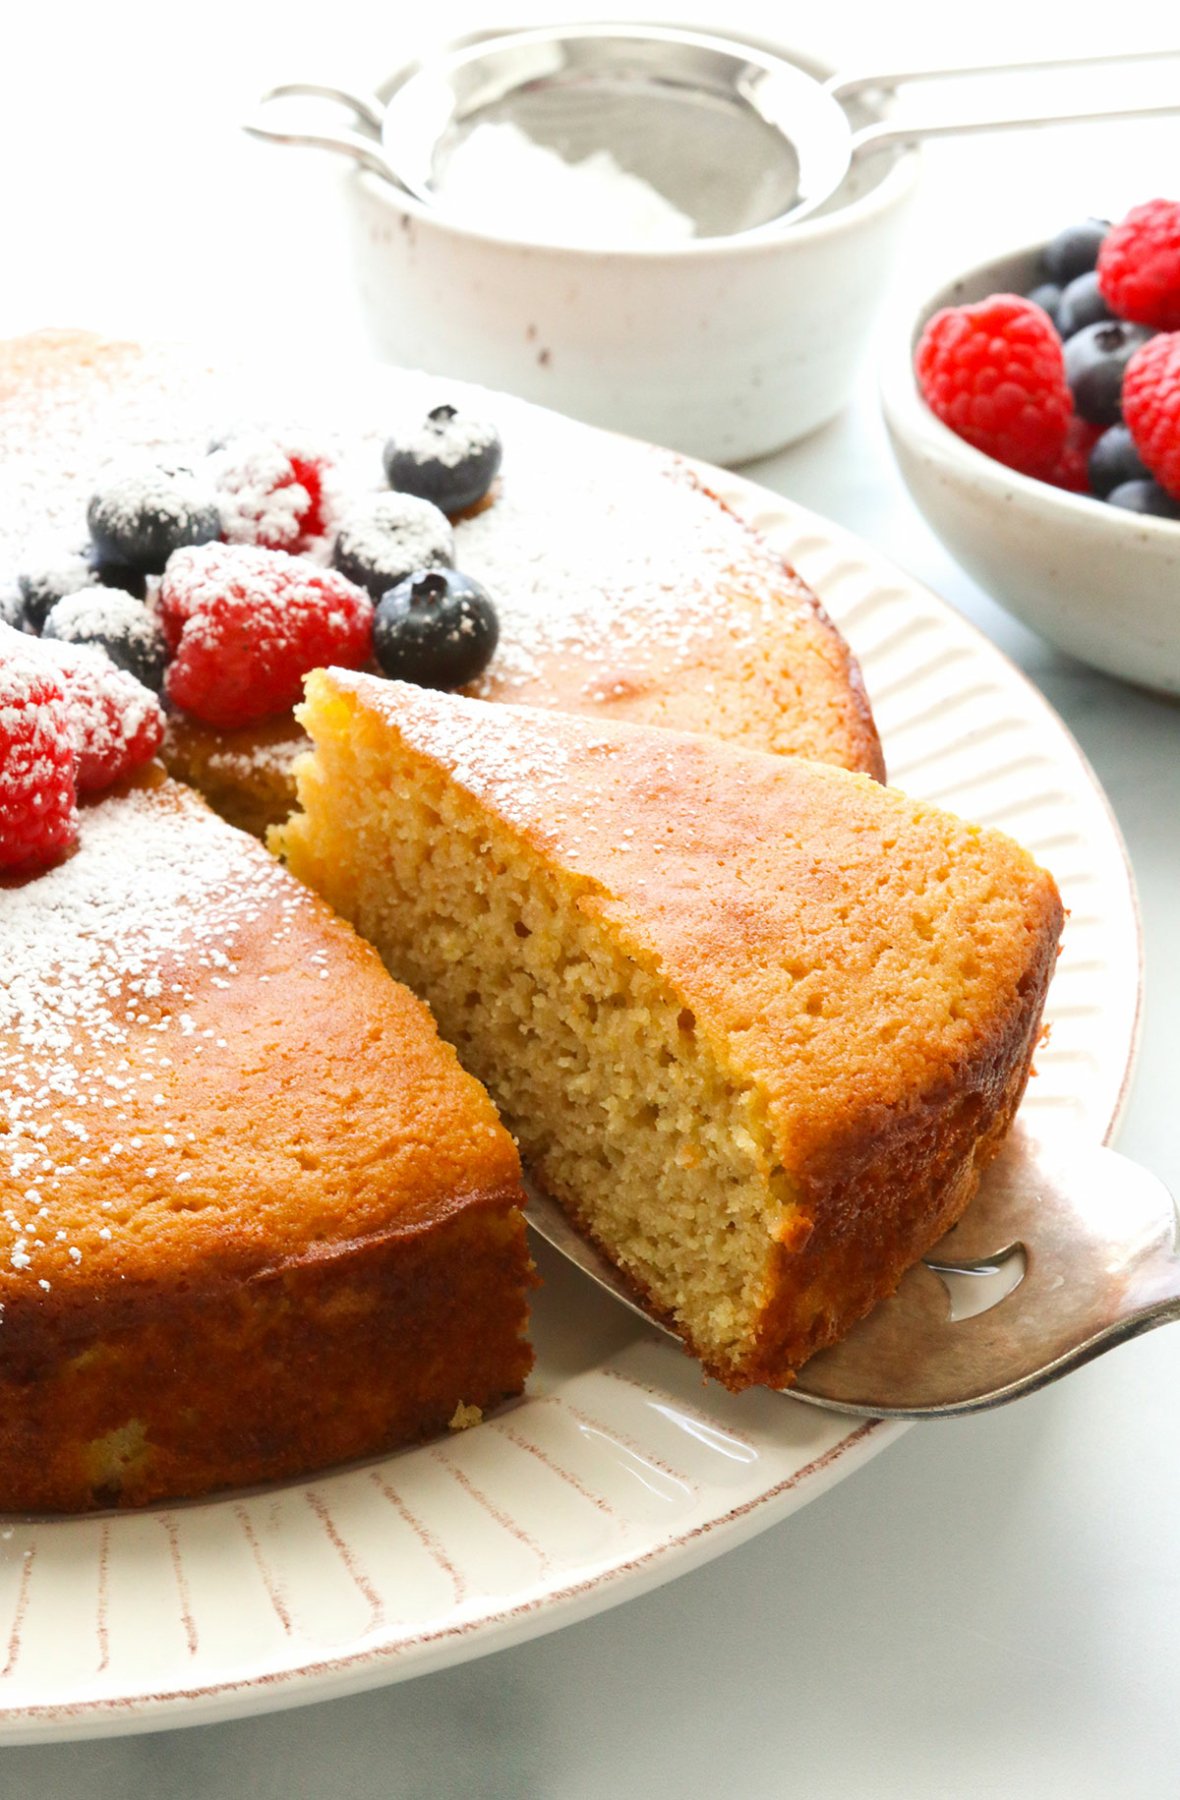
756 1023
254 1217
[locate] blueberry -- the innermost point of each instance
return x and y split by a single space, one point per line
141 515
1144 497
1082 303
1095 358
115 622
49 578
1073 251
390 536
1048 297
450 458
118 575
437 629
1113 460
12 605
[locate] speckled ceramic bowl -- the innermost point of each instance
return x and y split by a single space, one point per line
724 348
1099 582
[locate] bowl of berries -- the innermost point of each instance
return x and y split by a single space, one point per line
1034 408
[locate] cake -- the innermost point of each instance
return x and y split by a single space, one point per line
757 1023
254 1217
625 588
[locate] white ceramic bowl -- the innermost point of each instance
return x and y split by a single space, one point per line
1099 582
724 349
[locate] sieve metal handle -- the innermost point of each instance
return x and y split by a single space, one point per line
846 87
366 110
901 135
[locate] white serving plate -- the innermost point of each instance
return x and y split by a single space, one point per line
620 1468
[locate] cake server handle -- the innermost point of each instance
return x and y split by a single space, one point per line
366 110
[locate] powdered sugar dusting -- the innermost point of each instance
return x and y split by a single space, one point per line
23 684
237 756
106 958
263 495
448 436
109 612
597 550
500 179
594 550
258 501
114 722
557 780
393 534
268 588
37 808
247 624
53 569
523 774
171 491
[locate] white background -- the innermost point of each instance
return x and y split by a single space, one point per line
991 1608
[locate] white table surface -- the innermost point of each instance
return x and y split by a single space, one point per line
991 1607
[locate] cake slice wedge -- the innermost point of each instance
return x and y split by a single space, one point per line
254 1217
756 1023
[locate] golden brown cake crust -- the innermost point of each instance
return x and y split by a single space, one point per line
253 1216
875 968
625 588
332 1355
738 648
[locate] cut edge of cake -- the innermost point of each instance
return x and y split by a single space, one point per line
255 1220
592 912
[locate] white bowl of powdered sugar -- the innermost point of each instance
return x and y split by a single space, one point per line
606 232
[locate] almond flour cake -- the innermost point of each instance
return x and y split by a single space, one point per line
757 1023
624 588
254 1217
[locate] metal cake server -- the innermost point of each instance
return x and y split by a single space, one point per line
1082 1239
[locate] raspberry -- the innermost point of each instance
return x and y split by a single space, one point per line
1073 467
1139 265
115 724
38 808
312 472
247 625
1151 407
268 495
995 373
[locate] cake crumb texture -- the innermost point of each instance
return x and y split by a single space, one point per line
757 1023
